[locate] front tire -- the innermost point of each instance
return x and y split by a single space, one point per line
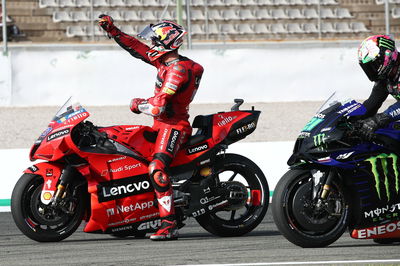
239 171
41 222
297 217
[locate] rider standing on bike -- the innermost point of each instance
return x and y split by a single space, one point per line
177 81
380 60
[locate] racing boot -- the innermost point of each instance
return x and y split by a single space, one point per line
167 231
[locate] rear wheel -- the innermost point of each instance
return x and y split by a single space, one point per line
41 222
241 176
305 221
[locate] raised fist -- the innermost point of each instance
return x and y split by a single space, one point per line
106 22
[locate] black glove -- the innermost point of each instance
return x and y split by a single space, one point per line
369 125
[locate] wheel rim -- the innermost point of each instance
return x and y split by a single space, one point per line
41 218
244 211
303 214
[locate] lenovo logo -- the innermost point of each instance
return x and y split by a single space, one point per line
197 149
58 134
124 187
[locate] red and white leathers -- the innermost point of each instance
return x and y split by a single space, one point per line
176 85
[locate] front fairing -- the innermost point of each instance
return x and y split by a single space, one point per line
52 144
321 140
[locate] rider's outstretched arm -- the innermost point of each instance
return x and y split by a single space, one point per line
376 99
135 47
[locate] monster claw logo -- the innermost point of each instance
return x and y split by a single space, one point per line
319 139
382 167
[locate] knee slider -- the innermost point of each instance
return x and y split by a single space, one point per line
158 177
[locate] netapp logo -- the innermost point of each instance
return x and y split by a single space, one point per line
124 187
58 134
197 149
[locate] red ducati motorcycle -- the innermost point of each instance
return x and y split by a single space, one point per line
100 175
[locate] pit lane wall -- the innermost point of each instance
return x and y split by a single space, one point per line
271 157
105 74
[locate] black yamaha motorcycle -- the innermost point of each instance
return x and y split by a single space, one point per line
338 180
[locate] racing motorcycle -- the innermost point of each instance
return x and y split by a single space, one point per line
338 180
100 175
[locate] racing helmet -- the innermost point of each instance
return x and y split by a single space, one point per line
166 36
377 56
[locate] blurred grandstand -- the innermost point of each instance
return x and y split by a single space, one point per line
210 20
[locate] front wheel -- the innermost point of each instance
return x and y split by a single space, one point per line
41 222
243 215
305 221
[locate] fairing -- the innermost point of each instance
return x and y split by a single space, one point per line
369 169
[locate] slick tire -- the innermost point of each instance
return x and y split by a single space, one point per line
27 212
244 220
291 215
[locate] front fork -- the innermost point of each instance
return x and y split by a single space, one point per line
321 185
65 179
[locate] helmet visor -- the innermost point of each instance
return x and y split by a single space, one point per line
147 33
372 69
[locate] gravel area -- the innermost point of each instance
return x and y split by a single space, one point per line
20 126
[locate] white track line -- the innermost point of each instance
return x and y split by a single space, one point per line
301 263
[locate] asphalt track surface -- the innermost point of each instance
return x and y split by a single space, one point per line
265 246
19 127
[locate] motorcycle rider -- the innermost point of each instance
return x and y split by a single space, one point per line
380 60
177 81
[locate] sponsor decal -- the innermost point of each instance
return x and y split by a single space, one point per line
172 141
304 134
246 128
123 228
198 212
319 139
196 149
72 117
150 225
387 211
326 129
46 132
205 162
165 202
382 166
148 216
130 208
163 137
124 187
344 156
116 159
206 200
33 168
132 128
49 172
48 183
312 124
121 169
126 221
395 113
58 134
324 160
349 109
216 205
225 120
321 116
379 230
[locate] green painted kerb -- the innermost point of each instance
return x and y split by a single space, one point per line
5 202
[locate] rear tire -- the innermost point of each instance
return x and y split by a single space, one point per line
240 221
41 222
297 217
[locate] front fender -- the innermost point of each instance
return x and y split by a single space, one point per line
51 173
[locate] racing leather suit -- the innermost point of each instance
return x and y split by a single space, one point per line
176 85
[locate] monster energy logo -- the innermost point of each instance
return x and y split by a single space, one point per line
319 139
383 158
386 43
